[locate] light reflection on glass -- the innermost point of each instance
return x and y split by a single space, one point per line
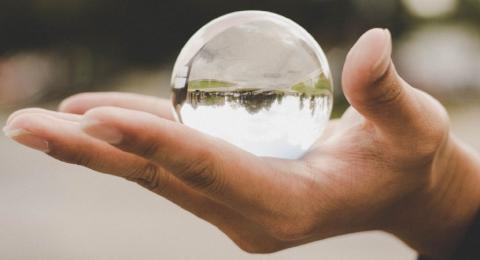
257 80
266 124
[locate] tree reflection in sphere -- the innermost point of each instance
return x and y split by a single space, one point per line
257 80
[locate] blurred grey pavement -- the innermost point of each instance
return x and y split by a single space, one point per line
51 210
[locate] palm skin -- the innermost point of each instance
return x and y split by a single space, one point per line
388 164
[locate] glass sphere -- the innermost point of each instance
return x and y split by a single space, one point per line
257 80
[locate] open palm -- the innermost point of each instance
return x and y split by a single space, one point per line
370 170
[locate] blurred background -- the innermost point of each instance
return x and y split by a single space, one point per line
50 49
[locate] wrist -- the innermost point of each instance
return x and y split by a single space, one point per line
438 216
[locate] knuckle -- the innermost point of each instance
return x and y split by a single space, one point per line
385 90
149 149
443 128
430 146
149 176
143 147
202 173
434 128
71 157
389 94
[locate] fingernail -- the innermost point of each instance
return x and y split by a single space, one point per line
27 138
102 131
10 119
63 105
385 59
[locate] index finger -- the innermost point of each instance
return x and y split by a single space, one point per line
262 188
81 103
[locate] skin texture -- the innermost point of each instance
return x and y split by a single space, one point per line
390 163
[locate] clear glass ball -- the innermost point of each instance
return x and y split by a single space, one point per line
257 80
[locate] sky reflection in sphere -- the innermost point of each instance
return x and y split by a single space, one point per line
257 80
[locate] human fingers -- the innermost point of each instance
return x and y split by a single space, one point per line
81 103
264 191
374 88
51 133
66 116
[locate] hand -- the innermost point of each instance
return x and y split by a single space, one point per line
390 163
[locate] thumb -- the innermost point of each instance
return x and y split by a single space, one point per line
373 87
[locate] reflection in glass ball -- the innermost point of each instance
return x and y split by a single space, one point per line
257 80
